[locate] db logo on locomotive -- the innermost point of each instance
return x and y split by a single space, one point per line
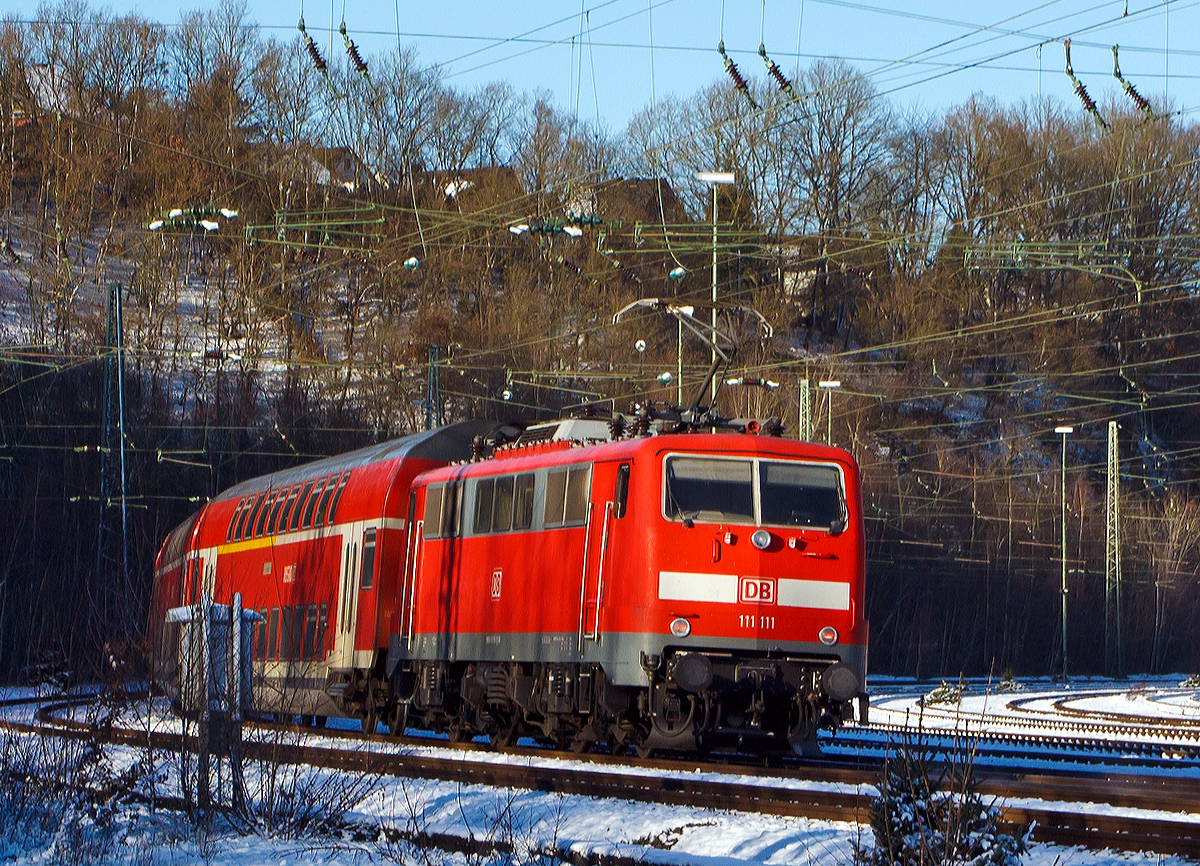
758 590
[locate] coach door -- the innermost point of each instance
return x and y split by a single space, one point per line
347 600
597 552
366 598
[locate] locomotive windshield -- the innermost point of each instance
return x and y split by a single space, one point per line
766 492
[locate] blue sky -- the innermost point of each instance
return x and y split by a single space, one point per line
608 58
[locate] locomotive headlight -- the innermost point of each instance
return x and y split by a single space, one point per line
680 627
761 539
828 635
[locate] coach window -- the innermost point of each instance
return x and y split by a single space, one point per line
279 522
337 497
621 494
240 531
259 502
567 496
297 632
260 635
233 520
523 501
323 505
310 633
485 489
281 525
246 521
285 632
349 553
321 623
310 506
273 512
255 524
294 521
265 511
273 634
366 578
239 519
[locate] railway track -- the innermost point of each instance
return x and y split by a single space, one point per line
828 791
1130 740
989 746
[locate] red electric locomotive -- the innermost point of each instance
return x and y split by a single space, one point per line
667 591
585 581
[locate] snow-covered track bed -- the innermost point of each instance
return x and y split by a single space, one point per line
1098 810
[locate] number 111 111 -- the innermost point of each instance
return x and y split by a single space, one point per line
751 620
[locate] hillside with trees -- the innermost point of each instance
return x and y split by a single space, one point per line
309 248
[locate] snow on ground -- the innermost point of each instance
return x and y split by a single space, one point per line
528 822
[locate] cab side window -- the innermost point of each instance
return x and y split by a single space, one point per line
523 501
621 494
441 510
496 506
567 493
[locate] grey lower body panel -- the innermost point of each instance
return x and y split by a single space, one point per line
620 654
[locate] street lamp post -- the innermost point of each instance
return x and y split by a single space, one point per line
1065 432
829 385
713 178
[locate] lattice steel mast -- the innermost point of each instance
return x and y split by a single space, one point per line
1112 559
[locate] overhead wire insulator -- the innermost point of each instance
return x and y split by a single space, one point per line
360 65
1089 104
775 72
736 76
1140 101
315 54
313 51
318 61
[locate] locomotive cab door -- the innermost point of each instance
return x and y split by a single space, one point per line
597 549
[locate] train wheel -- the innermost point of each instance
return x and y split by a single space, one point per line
458 732
643 751
504 735
370 720
616 745
581 745
397 719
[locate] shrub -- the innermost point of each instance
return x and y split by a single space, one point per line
917 820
